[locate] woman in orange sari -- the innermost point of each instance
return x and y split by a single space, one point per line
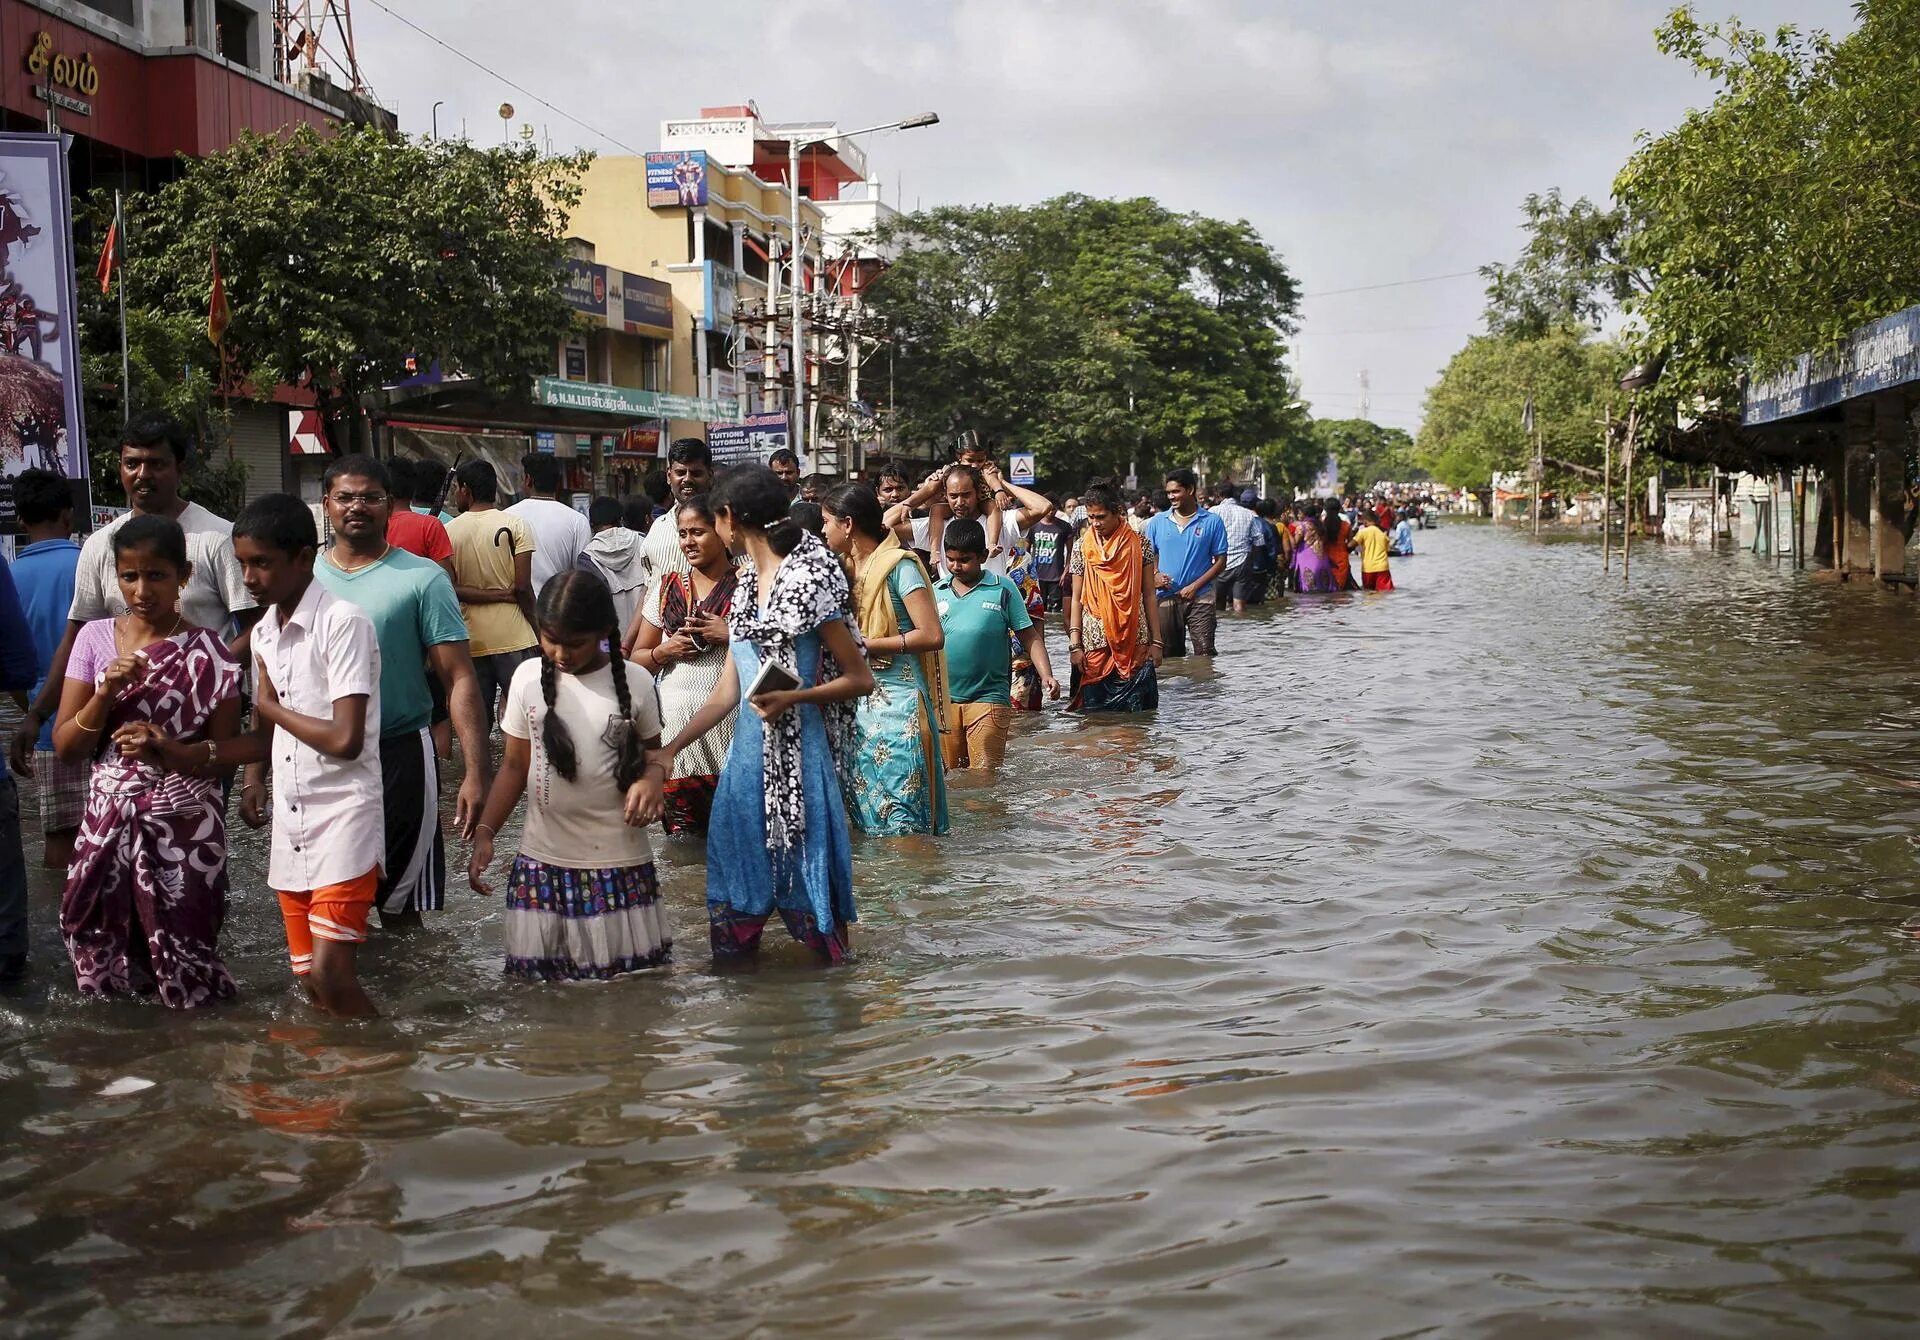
1113 621
1336 532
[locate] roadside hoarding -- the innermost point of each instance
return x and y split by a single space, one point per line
677 178
41 422
752 440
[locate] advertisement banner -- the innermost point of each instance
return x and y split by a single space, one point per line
40 407
753 439
677 178
722 288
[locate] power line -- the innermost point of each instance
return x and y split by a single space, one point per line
1369 288
489 70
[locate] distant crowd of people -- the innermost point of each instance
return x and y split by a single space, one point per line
758 662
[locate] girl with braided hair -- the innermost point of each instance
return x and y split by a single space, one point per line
582 727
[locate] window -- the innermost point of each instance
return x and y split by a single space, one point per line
121 11
233 33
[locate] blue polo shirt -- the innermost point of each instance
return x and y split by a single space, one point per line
43 575
1186 552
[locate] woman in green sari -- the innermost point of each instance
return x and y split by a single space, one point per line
896 782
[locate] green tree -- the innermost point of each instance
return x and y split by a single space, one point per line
1366 452
1094 333
344 256
1472 424
1785 213
1573 271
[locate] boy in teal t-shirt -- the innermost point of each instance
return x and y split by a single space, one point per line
980 612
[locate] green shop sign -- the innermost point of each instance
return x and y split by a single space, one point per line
631 403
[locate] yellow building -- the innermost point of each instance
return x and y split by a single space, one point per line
710 241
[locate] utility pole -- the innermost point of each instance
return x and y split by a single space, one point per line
1366 397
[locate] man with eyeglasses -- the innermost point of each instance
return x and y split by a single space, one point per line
416 619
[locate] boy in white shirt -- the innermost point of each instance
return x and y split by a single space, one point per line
318 685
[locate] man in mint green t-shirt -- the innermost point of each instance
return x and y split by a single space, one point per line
417 621
981 612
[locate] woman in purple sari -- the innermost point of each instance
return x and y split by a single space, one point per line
147 890
1311 569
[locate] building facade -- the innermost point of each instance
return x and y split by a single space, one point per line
709 215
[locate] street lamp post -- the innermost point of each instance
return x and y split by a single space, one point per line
794 146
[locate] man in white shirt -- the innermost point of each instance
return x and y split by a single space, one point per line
317 662
689 474
153 457
560 534
966 493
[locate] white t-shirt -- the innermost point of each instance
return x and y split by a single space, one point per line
578 825
560 534
661 552
212 593
997 555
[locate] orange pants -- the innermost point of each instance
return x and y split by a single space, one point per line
976 735
339 912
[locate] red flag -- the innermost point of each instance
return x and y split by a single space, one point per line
109 258
219 315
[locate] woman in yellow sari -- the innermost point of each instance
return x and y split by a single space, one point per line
1113 621
896 778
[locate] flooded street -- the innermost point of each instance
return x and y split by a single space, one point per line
1505 956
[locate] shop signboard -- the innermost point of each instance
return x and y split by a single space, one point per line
677 178
544 442
631 402
586 287
1878 356
647 305
752 439
40 407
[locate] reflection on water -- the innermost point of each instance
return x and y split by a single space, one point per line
1506 954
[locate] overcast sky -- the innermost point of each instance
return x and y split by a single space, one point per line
1370 141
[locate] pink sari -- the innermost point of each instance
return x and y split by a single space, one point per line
147 891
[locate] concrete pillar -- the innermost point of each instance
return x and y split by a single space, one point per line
1890 493
1856 486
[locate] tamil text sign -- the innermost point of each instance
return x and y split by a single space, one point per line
631 402
1878 356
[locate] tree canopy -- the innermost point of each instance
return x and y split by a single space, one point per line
1784 214
1366 452
1094 333
1472 426
1572 272
345 256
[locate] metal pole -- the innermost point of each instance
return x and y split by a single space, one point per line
1800 519
1539 469
798 289
1606 495
1626 466
1873 516
119 251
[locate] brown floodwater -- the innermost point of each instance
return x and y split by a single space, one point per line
1510 955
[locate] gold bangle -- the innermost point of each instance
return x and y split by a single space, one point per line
488 827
